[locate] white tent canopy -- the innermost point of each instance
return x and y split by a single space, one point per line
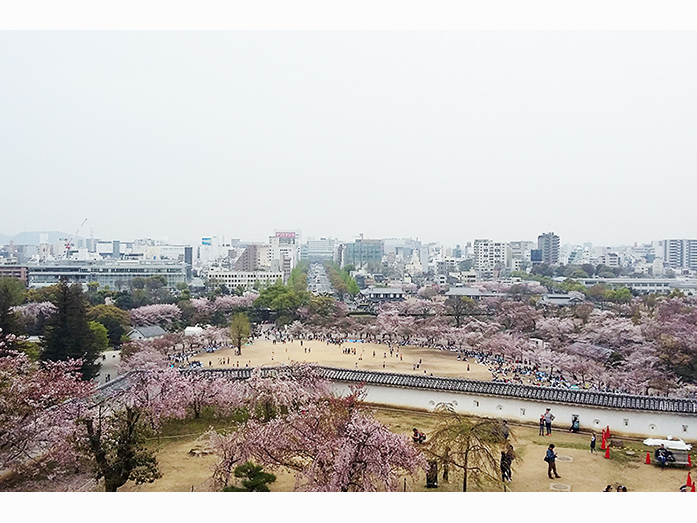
193 331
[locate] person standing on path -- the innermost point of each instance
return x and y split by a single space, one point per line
551 459
592 443
549 417
504 429
542 425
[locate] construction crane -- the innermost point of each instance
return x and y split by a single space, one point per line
69 241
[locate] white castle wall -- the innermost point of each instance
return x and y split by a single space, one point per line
628 422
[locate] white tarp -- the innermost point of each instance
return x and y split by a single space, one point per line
192 331
670 443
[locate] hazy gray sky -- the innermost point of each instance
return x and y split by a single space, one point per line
444 136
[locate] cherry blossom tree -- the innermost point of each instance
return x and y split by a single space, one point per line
547 358
35 411
204 308
198 392
159 314
459 307
232 449
33 315
228 304
112 428
334 447
607 329
387 322
583 311
507 344
421 307
516 316
330 442
113 444
673 329
154 386
292 389
582 369
433 330
555 331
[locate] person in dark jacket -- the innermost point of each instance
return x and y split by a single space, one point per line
551 458
505 467
661 455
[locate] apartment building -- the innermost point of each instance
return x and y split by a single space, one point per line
254 258
490 258
246 279
548 244
680 253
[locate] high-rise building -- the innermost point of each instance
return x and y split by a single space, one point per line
548 244
284 251
254 258
680 253
364 253
490 258
189 261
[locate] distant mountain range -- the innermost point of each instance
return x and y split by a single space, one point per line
33 237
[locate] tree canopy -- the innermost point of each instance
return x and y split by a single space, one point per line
68 334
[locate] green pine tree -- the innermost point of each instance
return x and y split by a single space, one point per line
68 334
255 479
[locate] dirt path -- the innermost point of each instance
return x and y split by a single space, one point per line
403 360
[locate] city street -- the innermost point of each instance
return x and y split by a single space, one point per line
317 280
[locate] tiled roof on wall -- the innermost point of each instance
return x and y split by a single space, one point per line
487 388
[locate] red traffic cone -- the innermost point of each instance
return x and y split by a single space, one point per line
689 460
607 431
693 487
689 480
648 458
607 452
602 444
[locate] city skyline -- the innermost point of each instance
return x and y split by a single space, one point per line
438 135
226 239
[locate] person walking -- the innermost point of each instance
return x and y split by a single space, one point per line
592 443
507 458
551 459
549 417
504 429
505 467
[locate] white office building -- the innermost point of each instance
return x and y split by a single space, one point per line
247 279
